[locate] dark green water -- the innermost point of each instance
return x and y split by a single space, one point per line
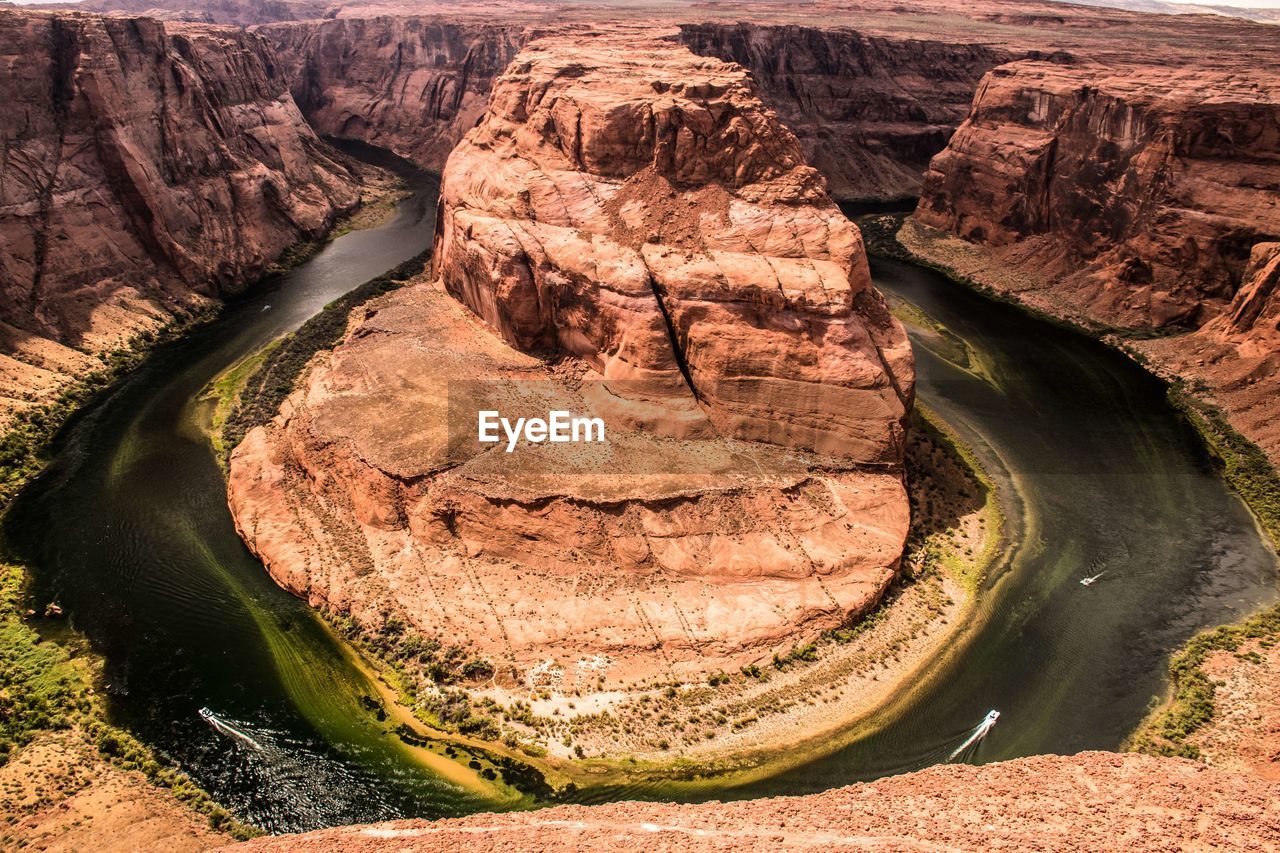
1112 482
128 530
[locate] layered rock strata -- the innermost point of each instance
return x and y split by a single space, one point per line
1133 198
1237 354
413 85
870 111
627 232
1135 194
147 169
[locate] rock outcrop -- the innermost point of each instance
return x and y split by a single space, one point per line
628 232
870 111
1135 194
1127 197
413 85
1090 801
1237 354
147 169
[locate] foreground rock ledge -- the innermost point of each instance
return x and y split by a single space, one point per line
1091 801
629 231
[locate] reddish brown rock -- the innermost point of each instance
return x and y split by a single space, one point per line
1237 354
1091 801
148 168
1134 194
413 85
728 273
870 111
621 235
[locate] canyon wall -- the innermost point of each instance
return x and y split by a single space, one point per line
1136 198
870 110
1236 355
413 85
627 232
147 169
1136 194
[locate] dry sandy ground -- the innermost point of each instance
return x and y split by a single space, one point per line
58 794
1244 733
1092 801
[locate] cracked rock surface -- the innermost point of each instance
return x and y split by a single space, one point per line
628 232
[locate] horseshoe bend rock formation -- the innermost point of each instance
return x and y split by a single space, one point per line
148 168
870 110
628 232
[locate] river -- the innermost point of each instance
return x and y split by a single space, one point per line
128 530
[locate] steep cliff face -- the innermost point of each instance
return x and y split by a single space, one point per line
146 169
236 12
1135 194
734 279
630 233
870 110
413 85
1237 354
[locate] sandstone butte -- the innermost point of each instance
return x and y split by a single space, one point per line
872 89
148 169
1144 199
628 231
1093 801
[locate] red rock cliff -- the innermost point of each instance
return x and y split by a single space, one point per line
870 111
147 169
413 85
1135 194
629 231
691 196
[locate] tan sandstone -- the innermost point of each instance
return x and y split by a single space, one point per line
628 231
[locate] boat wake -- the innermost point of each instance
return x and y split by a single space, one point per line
228 728
988 722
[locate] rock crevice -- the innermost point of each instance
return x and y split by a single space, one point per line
627 232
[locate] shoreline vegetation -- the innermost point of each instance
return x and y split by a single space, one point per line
49 675
800 703
1188 709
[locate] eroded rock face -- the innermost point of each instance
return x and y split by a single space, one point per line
870 111
728 274
1237 354
148 168
413 85
1135 194
629 232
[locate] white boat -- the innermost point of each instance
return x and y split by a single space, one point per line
1089 580
977 734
